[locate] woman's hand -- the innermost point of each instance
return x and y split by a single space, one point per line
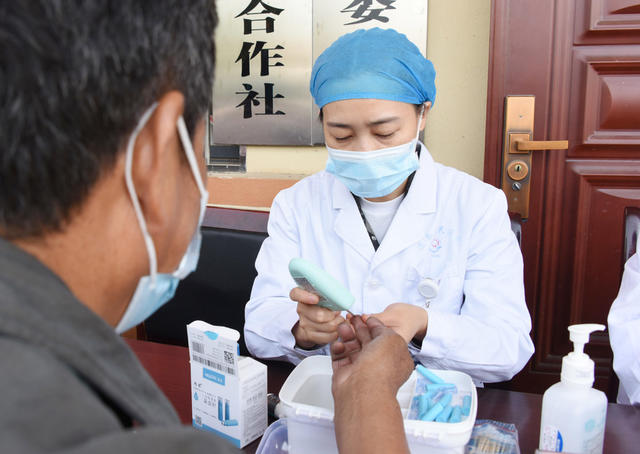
405 319
316 325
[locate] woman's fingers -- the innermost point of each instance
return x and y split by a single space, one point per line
302 296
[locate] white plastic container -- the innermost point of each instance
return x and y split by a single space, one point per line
573 413
307 402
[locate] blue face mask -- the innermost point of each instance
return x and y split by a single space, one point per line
156 289
376 173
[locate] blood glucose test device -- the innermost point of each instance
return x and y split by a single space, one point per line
310 277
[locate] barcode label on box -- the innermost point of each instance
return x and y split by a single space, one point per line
213 365
197 347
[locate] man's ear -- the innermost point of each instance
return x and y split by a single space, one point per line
423 120
156 155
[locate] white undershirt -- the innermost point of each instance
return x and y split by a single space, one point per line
380 214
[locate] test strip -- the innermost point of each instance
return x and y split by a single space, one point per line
426 373
444 414
445 400
435 387
466 405
433 412
456 414
424 403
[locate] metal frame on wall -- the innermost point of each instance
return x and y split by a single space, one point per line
265 50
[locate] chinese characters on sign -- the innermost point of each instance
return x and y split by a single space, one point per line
268 21
265 52
363 11
263 65
245 56
252 99
264 16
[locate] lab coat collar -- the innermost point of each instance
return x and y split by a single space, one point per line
348 223
405 229
413 216
423 191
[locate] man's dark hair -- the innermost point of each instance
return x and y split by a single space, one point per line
75 77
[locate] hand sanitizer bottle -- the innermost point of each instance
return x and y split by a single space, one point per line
573 413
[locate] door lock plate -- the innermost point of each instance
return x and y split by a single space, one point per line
518 143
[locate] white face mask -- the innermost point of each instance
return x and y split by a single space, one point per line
375 173
156 289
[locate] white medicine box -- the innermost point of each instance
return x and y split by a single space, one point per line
228 391
308 405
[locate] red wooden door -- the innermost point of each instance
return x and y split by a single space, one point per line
581 59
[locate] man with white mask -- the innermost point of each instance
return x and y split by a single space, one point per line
424 247
101 199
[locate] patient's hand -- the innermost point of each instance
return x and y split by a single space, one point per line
316 325
371 354
370 362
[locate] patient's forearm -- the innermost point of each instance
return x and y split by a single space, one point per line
369 422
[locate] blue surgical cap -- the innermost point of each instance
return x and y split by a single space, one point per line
374 63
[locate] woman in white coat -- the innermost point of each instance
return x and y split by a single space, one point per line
624 329
424 247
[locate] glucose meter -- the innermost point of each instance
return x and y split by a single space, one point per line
310 277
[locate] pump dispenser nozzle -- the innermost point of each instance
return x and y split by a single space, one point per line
579 335
577 367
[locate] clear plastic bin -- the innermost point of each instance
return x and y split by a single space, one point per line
275 439
308 405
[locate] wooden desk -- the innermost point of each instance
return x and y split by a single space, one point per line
169 367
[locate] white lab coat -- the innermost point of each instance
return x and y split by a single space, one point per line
451 227
624 333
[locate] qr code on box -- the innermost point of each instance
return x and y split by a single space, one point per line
228 357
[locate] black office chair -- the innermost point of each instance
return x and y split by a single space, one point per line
516 227
216 292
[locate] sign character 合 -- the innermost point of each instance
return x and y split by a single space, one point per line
268 21
267 9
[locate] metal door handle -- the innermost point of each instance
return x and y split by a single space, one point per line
533 145
517 147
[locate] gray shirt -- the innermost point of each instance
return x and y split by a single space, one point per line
69 383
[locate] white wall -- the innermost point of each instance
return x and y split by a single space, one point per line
458 46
